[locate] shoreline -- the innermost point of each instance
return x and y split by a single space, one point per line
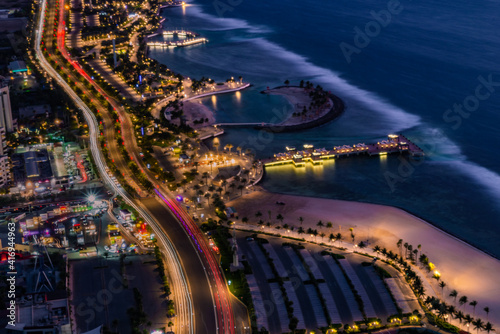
464 267
423 220
334 113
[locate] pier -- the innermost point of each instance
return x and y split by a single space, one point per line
169 4
173 44
393 144
181 33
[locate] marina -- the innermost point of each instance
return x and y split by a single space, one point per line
393 144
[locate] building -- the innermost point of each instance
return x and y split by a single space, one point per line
4 13
33 165
42 314
4 160
3 141
34 110
184 159
125 215
5 109
18 67
4 170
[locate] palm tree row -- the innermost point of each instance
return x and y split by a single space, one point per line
445 311
442 308
463 300
411 276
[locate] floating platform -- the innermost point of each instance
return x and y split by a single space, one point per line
394 144
173 44
180 33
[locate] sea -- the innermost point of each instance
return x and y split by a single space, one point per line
428 69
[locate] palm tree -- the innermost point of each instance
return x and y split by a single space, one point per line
488 327
463 300
473 304
442 285
329 225
376 249
170 325
459 316
322 235
240 188
423 259
216 144
229 147
454 295
468 319
331 237
239 148
114 324
320 224
442 310
338 237
478 324
450 309
410 251
300 230
301 220
487 310
406 249
384 251
258 214
205 175
400 242
280 217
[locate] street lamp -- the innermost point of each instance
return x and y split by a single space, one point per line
91 198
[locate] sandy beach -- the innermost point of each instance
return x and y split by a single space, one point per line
464 268
298 99
194 111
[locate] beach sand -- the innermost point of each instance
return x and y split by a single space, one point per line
195 110
464 268
298 98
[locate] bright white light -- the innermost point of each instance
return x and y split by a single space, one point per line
91 198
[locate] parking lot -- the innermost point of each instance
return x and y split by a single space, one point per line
319 287
103 298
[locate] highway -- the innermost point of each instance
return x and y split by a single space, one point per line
219 317
183 299
216 284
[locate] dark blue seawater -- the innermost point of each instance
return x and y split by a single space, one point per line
427 57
